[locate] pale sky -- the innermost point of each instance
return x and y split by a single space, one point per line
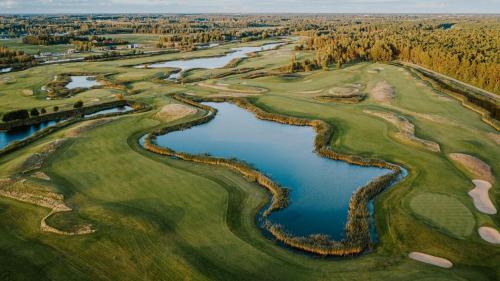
249 6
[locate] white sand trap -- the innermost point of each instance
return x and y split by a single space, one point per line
474 165
489 234
425 258
481 198
383 92
174 111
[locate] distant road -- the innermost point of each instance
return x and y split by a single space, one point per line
479 90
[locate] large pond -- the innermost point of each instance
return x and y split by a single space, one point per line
320 187
20 133
82 82
211 62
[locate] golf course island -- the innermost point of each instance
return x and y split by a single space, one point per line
251 147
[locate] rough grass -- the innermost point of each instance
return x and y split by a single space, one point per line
164 219
444 212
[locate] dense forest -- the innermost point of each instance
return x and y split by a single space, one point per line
463 47
188 42
468 52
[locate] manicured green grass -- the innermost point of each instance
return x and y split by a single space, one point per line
444 212
165 219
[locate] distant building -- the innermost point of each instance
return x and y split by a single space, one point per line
133 46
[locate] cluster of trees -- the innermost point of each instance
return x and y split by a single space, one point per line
467 51
47 39
23 114
16 26
188 42
13 58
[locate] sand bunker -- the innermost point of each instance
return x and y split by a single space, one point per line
174 111
473 165
383 92
489 234
437 261
481 198
406 129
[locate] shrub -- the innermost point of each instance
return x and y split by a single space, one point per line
55 108
16 115
34 112
43 111
78 104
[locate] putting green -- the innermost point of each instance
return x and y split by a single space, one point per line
444 212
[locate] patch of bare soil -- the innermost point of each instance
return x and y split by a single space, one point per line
475 166
383 92
174 111
429 259
406 129
481 197
28 192
489 234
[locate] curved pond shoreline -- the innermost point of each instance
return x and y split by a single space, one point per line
210 62
62 120
357 230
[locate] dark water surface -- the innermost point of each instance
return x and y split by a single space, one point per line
320 187
20 133
125 108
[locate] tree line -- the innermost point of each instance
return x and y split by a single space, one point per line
466 51
14 58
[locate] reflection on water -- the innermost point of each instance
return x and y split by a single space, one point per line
320 187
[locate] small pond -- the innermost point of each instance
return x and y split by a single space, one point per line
211 62
125 108
320 188
82 82
20 133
